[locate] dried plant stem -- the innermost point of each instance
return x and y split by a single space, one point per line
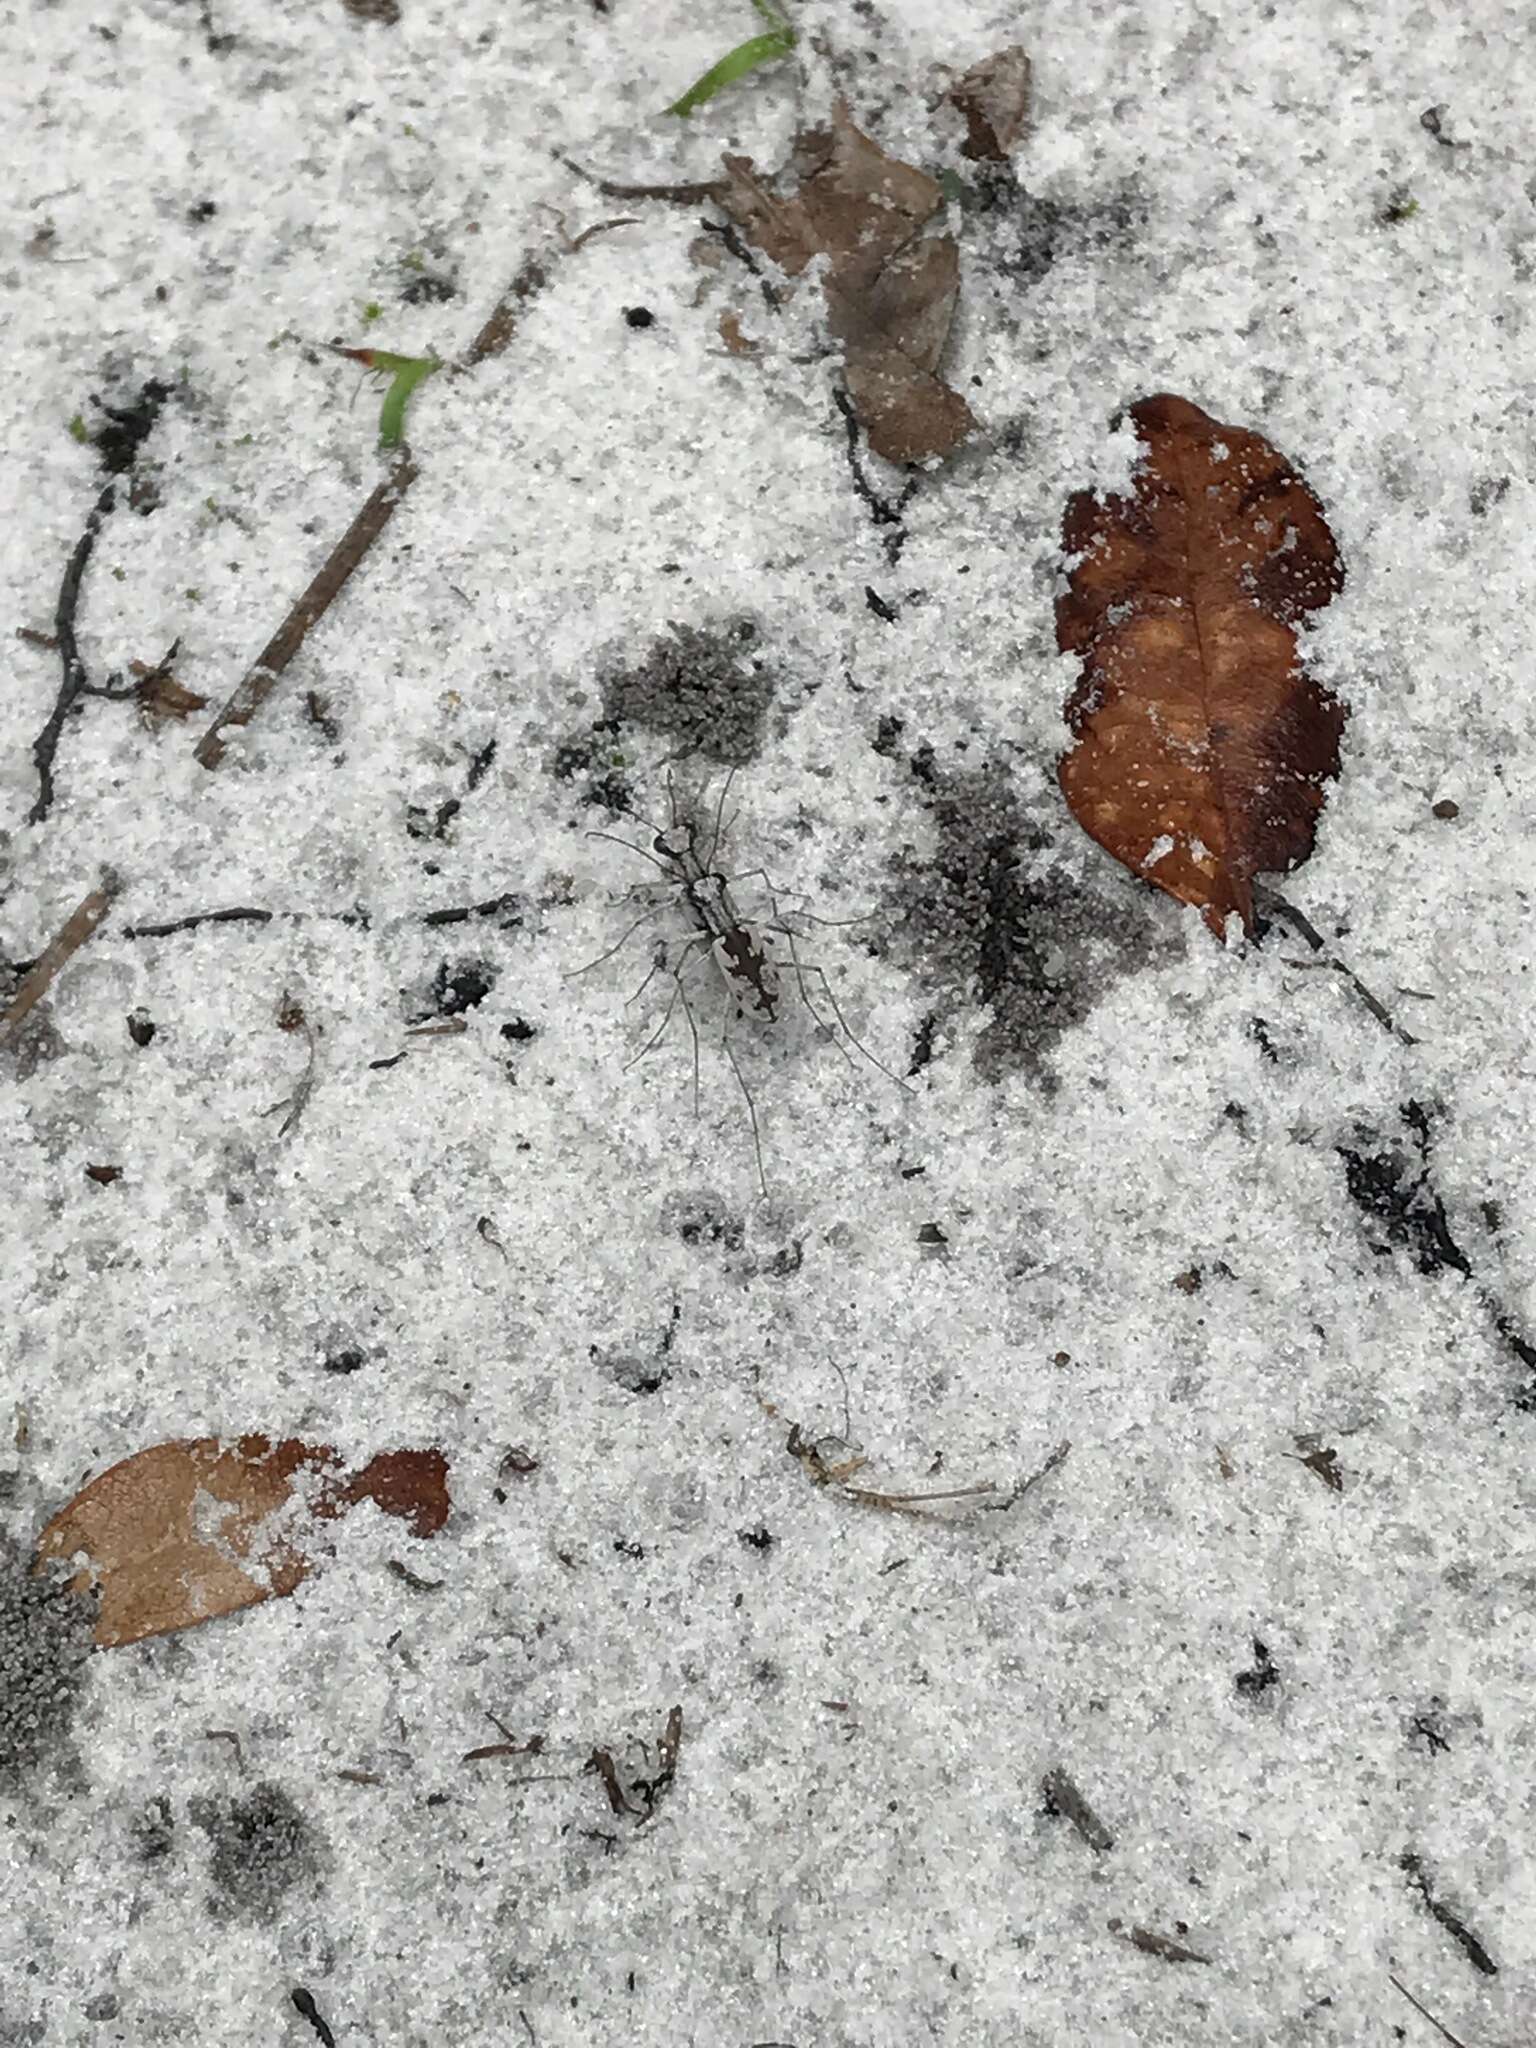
74 680
1443 2031
688 194
1274 905
71 937
262 677
499 329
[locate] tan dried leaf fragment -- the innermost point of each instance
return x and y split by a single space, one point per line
890 290
1201 746
194 1528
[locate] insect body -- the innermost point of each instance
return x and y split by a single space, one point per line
686 856
738 952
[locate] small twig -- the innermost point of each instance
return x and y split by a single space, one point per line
1059 1456
601 1761
190 924
1063 1797
1443 2031
71 937
1152 1943
265 672
75 679
505 315
291 1017
693 194
1412 1866
410 1578
462 914
1276 906
881 510
600 227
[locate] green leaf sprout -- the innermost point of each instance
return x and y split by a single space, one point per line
764 49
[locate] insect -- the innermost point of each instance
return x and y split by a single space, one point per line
687 856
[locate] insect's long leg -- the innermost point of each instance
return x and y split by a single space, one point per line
694 1029
659 1033
658 962
802 969
643 918
644 852
774 892
746 1095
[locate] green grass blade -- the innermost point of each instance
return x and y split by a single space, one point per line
765 49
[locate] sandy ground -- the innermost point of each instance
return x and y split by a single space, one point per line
1185 1209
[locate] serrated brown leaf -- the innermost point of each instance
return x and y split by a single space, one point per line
890 291
1201 746
185 1531
994 97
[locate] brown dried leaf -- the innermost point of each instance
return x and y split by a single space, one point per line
1201 746
890 292
994 97
185 1531
160 696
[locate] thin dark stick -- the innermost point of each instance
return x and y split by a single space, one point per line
189 924
1276 906
72 935
1445 2032
1412 1866
492 907
1063 1797
75 680
880 509
505 315
262 677
678 195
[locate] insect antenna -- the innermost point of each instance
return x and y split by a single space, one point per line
715 836
644 852
801 969
644 918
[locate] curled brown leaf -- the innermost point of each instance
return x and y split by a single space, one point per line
192 1529
1201 747
890 291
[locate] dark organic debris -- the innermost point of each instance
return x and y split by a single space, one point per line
1255 1683
994 96
984 922
623 1790
706 687
1151 1943
301 2000
1324 1462
890 290
1412 1866
75 681
1389 1181
1063 1797
461 986
263 1847
45 1640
